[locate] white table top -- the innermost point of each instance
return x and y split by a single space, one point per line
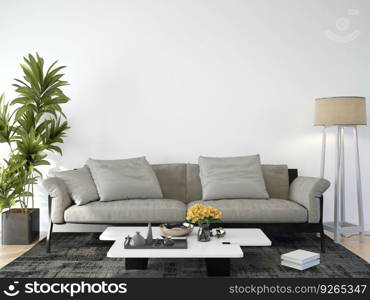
212 249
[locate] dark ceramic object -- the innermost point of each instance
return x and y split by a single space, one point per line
149 236
204 233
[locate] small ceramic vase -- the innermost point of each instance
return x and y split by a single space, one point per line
204 234
168 241
149 236
137 240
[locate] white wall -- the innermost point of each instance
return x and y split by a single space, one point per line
175 79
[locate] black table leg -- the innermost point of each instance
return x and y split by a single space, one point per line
136 263
218 266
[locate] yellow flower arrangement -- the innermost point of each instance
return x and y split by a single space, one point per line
200 213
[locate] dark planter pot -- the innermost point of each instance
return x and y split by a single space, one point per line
20 227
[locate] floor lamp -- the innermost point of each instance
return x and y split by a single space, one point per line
342 112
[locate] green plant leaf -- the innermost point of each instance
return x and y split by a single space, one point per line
33 123
21 111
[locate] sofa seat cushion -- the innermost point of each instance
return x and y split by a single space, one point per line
258 210
127 211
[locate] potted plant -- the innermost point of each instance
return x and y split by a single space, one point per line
203 215
31 125
19 225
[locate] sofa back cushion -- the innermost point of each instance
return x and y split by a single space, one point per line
122 179
276 180
182 181
193 184
172 179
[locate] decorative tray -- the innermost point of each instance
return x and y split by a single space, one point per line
159 244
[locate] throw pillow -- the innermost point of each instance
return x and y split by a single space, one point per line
80 185
122 179
232 178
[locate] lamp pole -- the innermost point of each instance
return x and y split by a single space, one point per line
340 226
323 151
359 186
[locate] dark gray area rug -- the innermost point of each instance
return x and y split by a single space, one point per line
82 255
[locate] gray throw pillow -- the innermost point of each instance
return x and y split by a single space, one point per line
80 185
232 178
122 179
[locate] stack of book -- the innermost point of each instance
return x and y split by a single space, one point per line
300 259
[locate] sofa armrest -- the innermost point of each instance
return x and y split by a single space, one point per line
307 191
60 198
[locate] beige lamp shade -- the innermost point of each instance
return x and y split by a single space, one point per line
340 111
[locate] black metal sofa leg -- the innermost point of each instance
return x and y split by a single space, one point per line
322 239
48 237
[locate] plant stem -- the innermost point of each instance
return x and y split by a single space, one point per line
33 197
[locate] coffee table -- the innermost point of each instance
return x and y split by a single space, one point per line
217 255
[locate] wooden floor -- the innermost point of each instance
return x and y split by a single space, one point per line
352 243
9 253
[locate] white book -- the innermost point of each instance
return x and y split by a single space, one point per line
299 266
300 256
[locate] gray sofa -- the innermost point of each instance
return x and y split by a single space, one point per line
295 203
